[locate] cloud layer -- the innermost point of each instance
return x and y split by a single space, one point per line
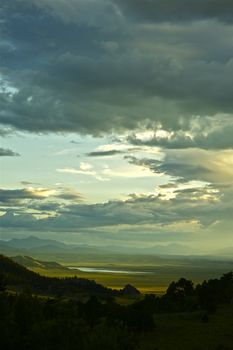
179 10
173 211
85 74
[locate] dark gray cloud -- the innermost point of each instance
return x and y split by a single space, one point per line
29 197
17 196
104 153
219 138
46 208
79 73
5 152
178 10
69 195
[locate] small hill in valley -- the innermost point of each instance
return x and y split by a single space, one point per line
130 290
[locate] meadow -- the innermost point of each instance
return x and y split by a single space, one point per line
185 331
156 273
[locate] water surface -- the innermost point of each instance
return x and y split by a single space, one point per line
103 270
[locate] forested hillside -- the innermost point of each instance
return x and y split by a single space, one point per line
22 278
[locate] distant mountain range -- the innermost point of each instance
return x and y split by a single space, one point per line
52 249
39 245
173 249
228 252
33 242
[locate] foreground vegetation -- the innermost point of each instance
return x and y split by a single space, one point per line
185 317
191 331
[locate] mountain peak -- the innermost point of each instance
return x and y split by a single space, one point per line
33 242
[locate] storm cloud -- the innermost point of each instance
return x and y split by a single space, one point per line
5 152
25 196
83 74
179 10
17 196
215 134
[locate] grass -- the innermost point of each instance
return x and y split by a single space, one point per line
155 280
188 332
145 283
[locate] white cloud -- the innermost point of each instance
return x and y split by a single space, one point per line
85 166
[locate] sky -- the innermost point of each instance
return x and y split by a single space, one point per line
117 122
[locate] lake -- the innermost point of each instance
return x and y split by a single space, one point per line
103 270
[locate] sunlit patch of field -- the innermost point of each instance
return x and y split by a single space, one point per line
153 277
145 283
53 272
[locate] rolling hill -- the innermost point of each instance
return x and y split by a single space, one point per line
30 262
18 277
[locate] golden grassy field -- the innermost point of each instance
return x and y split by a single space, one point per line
155 279
145 283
